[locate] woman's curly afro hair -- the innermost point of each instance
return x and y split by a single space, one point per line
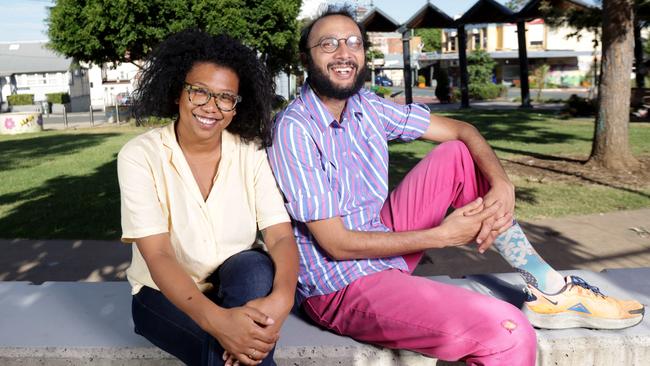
162 78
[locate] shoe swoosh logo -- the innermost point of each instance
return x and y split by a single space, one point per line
549 300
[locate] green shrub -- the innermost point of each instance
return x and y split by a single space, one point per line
480 67
579 106
20 99
486 91
58 98
381 91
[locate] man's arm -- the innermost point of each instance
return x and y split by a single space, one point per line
461 227
502 190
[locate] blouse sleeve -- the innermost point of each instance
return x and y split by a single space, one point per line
141 210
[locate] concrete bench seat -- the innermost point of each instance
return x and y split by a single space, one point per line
82 323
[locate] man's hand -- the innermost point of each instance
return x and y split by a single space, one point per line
463 225
243 332
502 192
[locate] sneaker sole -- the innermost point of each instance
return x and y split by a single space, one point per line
567 320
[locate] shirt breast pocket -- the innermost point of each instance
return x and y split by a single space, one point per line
332 174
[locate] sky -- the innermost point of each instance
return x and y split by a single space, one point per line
24 20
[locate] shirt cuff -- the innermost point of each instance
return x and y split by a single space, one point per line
418 122
129 236
317 207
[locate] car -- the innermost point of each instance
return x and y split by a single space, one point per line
383 80
124 99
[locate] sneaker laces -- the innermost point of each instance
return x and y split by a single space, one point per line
577 281
529 295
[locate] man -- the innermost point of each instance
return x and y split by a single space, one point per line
358 246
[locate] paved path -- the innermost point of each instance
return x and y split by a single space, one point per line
591 242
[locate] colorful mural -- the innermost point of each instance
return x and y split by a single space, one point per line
14 123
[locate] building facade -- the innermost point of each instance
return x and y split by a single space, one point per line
31 68
571 59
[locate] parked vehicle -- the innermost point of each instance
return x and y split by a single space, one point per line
123 99
383 80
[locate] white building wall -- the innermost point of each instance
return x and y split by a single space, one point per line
109 80
40 84
557 40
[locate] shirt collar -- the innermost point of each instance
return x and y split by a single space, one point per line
168 137
229 143
177 159
319 111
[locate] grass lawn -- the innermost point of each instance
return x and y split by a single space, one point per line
543 156
63 184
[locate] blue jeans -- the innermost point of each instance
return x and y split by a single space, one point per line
243 277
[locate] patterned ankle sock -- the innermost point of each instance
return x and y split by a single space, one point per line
515 248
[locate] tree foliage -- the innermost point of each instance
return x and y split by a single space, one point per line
373 53
479 67
431 38
101 31
515 5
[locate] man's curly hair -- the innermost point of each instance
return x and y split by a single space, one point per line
162 78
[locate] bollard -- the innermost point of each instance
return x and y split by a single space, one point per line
65 116
117 114
92 117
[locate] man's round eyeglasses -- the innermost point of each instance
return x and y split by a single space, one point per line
331 44
198 96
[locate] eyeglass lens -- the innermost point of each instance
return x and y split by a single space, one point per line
200 97
332 44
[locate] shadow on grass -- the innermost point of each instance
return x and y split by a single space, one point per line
538 155
67 207
515 125
585 178
22 153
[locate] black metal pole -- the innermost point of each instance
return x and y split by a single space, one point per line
638 56
523 65
408 83
462 59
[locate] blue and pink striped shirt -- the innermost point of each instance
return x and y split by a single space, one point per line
327 168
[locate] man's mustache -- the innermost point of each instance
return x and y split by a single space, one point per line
343 64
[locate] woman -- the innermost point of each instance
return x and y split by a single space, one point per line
194 194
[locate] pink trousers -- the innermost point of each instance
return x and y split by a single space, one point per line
397 310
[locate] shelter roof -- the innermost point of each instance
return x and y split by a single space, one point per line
486 11
378 21
429 16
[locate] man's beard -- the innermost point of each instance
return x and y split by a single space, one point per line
321 83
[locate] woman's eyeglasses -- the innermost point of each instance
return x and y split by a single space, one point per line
198 96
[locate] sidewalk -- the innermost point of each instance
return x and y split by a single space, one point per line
589 242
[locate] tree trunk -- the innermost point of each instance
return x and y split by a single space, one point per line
611 147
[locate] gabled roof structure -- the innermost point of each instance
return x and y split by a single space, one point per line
429 16
487 11
378 21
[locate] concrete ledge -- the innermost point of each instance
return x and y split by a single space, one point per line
77 323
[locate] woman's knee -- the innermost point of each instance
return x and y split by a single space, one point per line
247 275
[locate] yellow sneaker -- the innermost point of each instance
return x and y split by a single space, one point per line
579 305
